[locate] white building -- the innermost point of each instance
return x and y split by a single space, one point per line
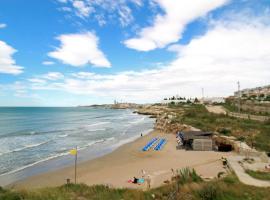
213 100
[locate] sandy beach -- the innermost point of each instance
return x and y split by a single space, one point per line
116 168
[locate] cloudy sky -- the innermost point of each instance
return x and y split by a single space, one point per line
78 52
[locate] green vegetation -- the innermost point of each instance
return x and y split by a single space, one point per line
228 188
230 106
259 175
253 132
187 175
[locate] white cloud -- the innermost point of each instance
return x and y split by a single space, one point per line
53 76
7 63
37 80
82 9
48 63
84 75
79 50
167 28
3 26
228 52
62 1
103 10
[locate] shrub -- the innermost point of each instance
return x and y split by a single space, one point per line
209 192
224 131
186 175
230 180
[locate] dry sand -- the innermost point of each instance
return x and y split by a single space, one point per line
116 168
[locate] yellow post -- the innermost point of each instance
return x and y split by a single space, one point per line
75 153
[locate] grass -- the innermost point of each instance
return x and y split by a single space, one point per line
253 132
233 108
259 175
187 175
228 188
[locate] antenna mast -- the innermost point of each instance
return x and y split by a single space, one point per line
239 97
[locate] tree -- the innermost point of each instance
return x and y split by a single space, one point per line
253 96
196 100
267 98
261 95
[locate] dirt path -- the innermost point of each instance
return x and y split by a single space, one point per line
233 162
216 109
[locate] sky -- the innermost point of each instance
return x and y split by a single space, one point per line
82 52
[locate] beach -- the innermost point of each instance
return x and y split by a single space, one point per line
128 161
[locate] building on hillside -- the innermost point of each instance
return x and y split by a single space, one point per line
265 90
176 101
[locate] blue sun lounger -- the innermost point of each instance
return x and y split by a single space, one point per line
150 144
160 145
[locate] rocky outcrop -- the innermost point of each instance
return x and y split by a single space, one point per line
166 118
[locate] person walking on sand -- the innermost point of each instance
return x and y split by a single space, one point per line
148 181
143 173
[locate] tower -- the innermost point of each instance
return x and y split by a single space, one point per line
239 97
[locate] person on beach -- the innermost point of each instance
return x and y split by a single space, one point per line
143 173
148 181
135 180
141 134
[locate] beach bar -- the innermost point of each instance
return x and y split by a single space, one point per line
196 140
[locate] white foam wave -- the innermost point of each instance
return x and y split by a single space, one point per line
62 136
98 124
28 146
137 121
35 163
97 129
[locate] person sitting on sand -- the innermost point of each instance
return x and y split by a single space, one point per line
135 180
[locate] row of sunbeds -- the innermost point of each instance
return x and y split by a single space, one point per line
155 143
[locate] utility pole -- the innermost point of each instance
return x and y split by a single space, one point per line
239 97
202 95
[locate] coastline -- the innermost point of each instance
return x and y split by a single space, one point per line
125 131
125 162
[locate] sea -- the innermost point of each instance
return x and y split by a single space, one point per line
32 137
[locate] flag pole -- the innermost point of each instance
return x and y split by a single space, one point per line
76 165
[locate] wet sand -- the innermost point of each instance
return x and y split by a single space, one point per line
116 168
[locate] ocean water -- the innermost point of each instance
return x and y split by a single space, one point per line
30 136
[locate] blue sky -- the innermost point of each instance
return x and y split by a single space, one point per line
77 52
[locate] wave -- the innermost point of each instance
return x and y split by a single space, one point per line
97 129
138 121
33 133
62 136
98 123
66 152
34 163
28 146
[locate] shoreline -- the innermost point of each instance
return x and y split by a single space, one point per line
130 160
61 162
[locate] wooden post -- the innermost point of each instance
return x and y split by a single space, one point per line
76 165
